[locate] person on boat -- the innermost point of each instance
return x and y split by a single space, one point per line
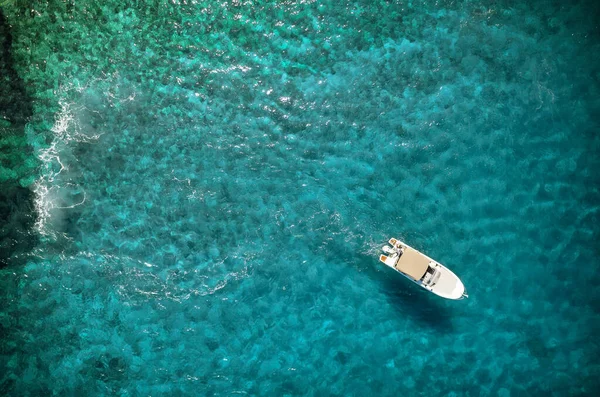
399 249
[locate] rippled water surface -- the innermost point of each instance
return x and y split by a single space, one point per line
217 180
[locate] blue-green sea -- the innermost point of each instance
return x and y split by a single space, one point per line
196 194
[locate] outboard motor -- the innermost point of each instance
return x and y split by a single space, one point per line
389 250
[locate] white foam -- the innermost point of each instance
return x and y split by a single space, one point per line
55 163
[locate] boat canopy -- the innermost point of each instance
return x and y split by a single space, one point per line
413 263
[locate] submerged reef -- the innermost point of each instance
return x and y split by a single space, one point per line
216 179
15 104
17 160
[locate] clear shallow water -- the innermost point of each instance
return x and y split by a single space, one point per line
217 182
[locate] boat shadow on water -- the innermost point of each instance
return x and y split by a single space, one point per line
419 306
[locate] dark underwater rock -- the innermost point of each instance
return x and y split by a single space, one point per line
17 217
17 162
15 104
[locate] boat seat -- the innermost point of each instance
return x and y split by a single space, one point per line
426 278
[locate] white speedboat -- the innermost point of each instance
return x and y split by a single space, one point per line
422 270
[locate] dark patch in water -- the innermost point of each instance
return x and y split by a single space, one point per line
17 211
15 104
17 214
342 357
109 369
538 348
419 305
212 344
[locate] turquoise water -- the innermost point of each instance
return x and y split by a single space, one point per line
217 179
